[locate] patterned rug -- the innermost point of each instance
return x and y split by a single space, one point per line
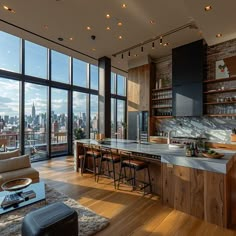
89 222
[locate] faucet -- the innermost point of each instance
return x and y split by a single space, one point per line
169 136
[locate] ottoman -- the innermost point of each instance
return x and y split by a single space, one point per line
56 219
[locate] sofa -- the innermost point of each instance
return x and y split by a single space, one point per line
13 166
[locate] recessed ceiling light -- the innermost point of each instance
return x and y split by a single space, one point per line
71 38
94 49
153 22
165 44
124 5
9 9
88 28
119 23
218 35
208 8
108 28
120 37
108 16
60 39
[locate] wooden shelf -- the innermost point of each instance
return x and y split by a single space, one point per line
219 80
161 99
220 91
219 115
167 107
162 89
162 117
219 103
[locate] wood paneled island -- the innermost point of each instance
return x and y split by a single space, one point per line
199 186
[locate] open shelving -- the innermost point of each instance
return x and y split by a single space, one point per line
161 102
220 97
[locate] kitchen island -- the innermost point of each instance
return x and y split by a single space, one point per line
199 186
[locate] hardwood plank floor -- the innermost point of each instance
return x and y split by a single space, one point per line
130 213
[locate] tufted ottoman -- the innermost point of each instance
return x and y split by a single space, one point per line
56 219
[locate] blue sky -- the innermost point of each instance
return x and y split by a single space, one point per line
36 65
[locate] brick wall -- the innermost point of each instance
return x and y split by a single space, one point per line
215 129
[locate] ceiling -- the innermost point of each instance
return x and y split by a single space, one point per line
45 21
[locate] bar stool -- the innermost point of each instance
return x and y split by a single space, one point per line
110 156
91 151
128 161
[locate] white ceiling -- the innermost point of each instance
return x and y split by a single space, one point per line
69 18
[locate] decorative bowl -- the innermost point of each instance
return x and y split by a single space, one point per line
16 184
213 156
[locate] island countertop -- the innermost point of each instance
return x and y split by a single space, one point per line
175 156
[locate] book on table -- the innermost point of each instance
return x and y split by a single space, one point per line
16 198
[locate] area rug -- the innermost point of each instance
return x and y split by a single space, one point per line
89 222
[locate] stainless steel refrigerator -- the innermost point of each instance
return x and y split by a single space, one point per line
138 125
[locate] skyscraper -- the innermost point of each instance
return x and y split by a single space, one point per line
33 111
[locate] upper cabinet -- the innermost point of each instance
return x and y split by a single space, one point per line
187 78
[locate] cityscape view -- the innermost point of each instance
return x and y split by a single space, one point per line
30 96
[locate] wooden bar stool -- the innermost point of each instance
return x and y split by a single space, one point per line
110 156
3 145
93 152
133 166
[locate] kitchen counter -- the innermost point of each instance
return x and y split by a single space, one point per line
198 186
175 156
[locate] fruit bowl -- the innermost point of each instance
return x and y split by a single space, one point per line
16 184
214 155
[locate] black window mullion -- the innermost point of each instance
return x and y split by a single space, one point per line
49 126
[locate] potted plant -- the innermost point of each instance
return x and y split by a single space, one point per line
79 133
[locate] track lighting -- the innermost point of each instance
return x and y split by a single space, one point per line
152 40
153 45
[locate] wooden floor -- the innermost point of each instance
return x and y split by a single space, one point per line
130 213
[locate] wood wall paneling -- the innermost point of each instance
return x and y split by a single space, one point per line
197 193
214 198
168 183
139 88
182 188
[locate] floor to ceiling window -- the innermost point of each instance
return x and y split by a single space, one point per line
9 112
93 115
35 129
118 106
80 73
10 52
34 79
60 67
36 60
80 115
59 121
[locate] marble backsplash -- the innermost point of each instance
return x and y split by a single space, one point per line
214 129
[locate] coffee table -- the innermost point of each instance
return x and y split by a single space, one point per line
37 188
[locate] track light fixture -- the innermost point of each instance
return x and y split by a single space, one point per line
160 37
153 45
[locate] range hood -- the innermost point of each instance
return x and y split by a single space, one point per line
187 79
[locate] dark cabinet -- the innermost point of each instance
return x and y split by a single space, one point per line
187 100
187 78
